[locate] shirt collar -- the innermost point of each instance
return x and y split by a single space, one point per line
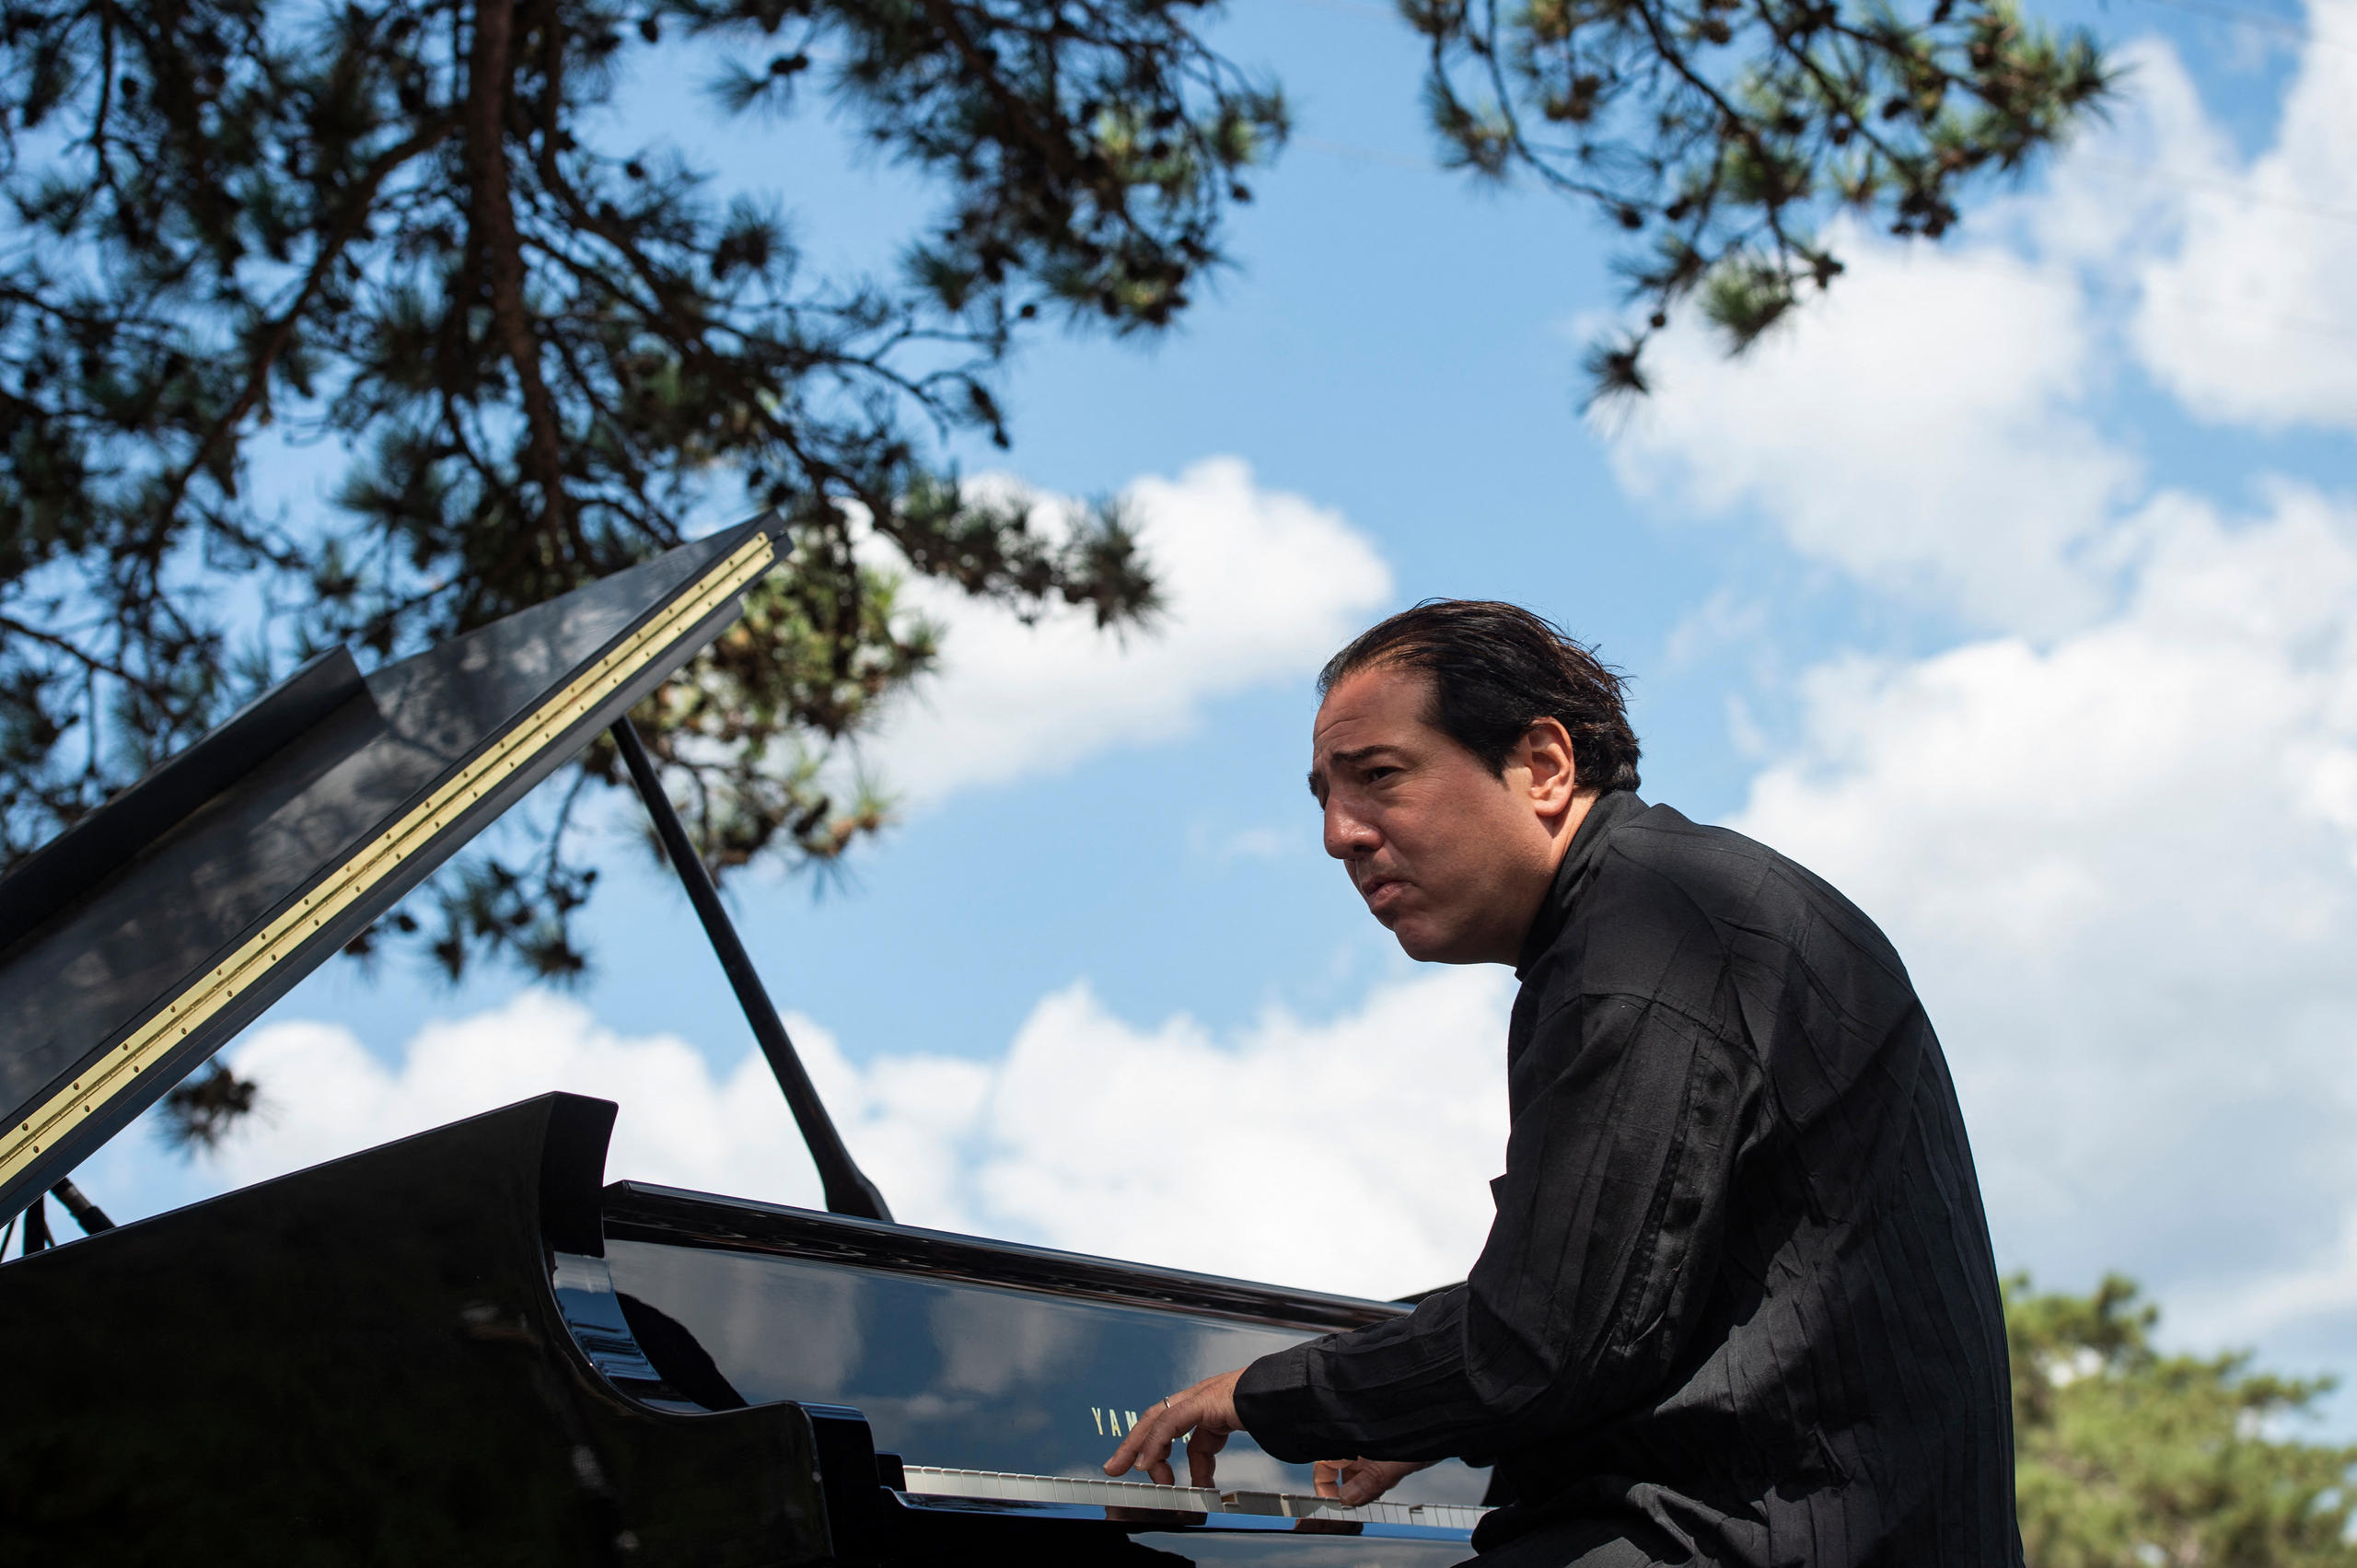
1610 809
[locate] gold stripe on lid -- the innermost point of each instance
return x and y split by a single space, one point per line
526 739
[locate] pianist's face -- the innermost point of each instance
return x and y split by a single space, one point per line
1451 859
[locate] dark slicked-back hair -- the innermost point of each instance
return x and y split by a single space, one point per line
1497 669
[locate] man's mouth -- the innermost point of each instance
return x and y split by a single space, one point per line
1381 891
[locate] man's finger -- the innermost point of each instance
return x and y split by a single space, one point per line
1148 1446
1204 1415
1131 1451
1203 1450
1325 1477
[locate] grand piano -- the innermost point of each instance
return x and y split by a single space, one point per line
469 1346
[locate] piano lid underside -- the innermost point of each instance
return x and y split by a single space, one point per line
129 986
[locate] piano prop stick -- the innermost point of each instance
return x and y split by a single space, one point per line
848 1190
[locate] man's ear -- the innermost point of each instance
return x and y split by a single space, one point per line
1545 749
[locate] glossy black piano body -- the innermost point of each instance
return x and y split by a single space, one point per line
459 1348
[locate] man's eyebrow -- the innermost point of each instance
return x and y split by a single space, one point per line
1356 754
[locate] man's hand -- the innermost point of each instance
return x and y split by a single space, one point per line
1361 1480
1205 1414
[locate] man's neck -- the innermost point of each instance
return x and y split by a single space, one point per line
1546 919
1566 830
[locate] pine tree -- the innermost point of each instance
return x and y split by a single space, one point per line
401 228
2131 1458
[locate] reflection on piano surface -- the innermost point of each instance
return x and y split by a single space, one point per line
962 1354
462 1347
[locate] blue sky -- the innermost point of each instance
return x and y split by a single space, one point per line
2012 591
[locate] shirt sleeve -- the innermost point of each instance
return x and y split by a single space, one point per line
1600 1261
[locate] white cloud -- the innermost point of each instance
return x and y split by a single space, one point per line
2123 871
1257 585
2245 314
1351 1154
326 1095
1929 426
1869 430
1725 620
1263 843
1348 1155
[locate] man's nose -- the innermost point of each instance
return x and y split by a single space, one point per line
1347 834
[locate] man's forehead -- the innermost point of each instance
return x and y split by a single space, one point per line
1370 709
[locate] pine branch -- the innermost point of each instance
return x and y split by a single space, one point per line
489 71
273 344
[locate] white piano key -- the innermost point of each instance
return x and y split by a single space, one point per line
1107 1493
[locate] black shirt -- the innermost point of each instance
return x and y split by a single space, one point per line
1739 1301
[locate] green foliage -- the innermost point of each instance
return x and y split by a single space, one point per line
411 232
2131 1458
1722 134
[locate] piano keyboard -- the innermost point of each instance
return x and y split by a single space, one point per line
997 1486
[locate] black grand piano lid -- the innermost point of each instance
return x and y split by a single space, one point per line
139 942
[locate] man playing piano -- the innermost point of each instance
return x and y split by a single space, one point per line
1738 1303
